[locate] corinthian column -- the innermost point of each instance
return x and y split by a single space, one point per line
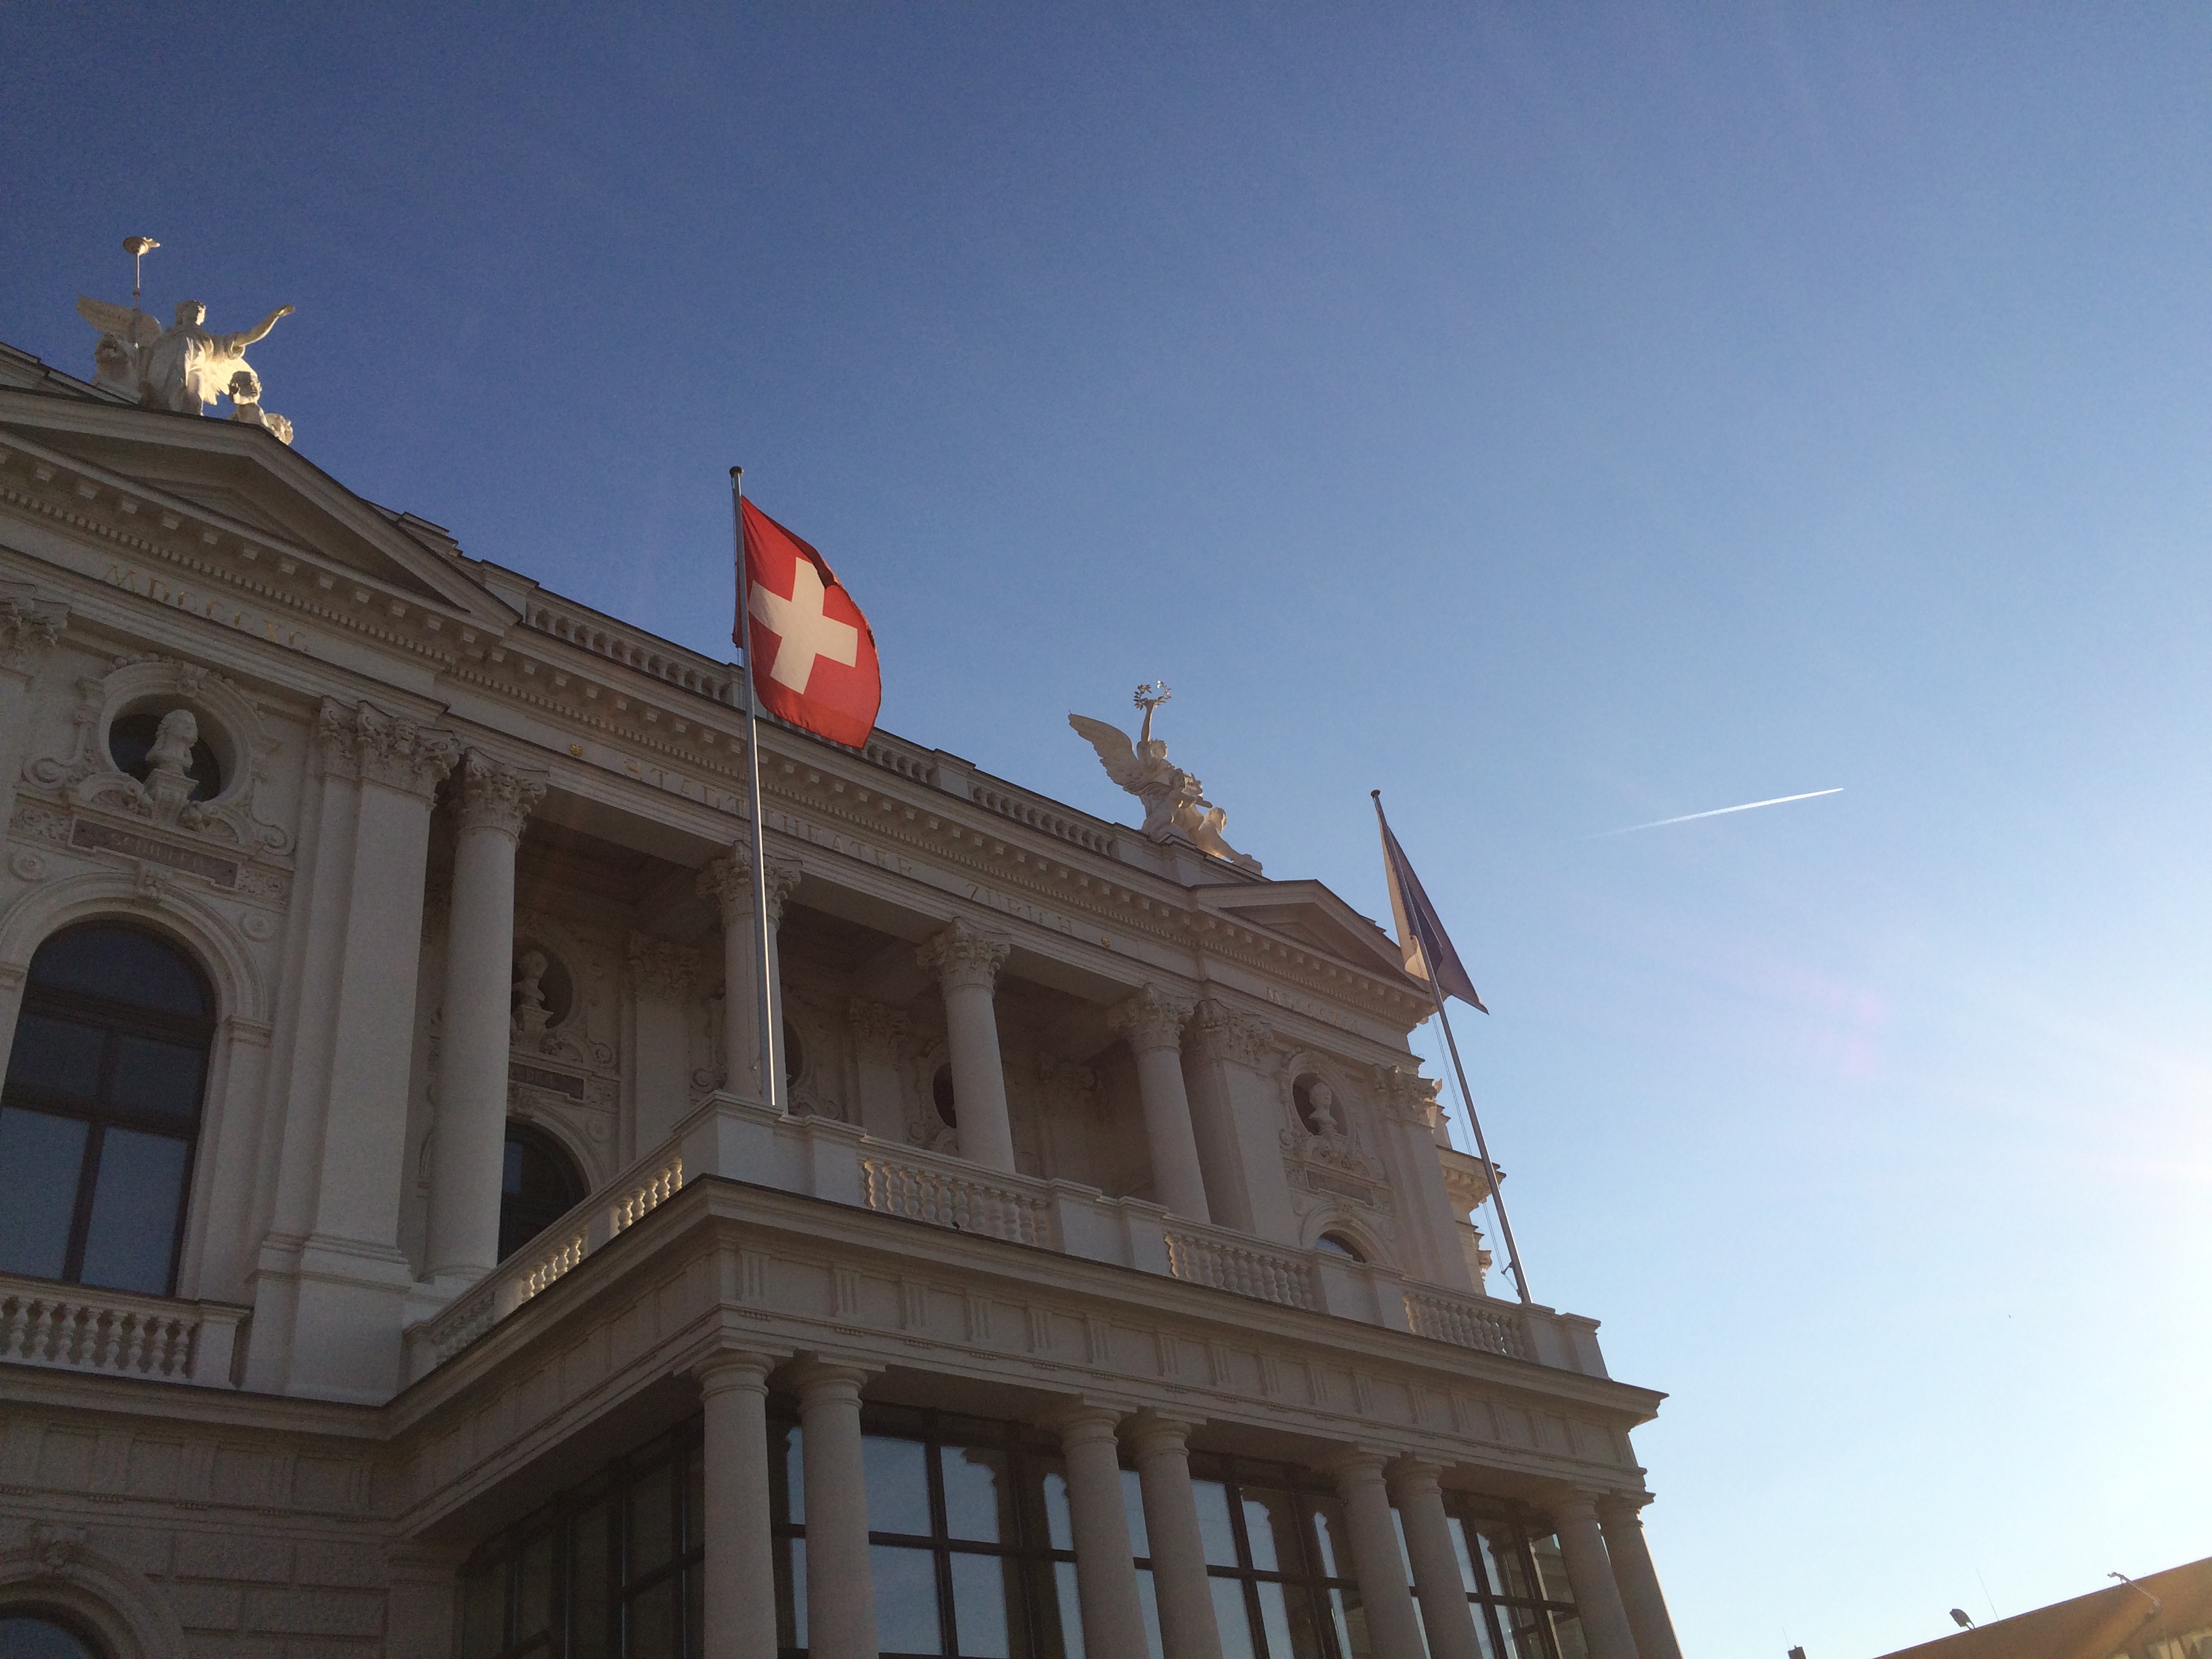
729 882
1152 1021
1379 1569
966 961
468 1151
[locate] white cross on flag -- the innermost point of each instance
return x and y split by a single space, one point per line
813 656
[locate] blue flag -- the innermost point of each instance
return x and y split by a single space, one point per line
1422 941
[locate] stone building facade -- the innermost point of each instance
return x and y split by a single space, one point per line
396 1257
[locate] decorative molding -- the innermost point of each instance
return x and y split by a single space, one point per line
729 882
493 795
1219 1032
28 628
1151 1019
366 743
661 971
965 956
879 1033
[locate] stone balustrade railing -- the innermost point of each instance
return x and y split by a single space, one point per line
950 1193
833 1160
615 1208
78 1328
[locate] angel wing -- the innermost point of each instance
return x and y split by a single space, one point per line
1115 752
126 323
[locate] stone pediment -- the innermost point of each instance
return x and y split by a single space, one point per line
247 485
1309 913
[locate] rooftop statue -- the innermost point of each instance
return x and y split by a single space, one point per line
183 367
1172 797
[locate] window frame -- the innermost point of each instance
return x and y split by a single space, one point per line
1467 1512
523 1130
116 1020
1234 1475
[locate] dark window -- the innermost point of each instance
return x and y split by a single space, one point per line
38 1636
794 1054
100 1110
1275 1550
940 1095
1337 1244
537 1185
971 1548
610 1571
1511 1566
130 740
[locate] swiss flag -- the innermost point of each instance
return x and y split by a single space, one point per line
813 656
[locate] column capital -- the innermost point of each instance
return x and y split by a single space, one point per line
965 956
1151 1018
1573 1504
1358 1464
1220 1032
817 1379
28 628
490 794
1411 1473
1083 1419
364 741
1151 1432
731 1368
729 882
1620 1508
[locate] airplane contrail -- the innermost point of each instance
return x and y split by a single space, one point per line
1717 813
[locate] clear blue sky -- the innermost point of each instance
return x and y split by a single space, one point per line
1559 418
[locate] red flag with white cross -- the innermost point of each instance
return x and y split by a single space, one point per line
813 656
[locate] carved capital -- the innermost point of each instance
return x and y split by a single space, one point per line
1219 1032
366 743
879 1033
1151 1019
661 971
494 796
964 956
28 628
1408 1096
729 883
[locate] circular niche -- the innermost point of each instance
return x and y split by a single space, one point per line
133 734
555 989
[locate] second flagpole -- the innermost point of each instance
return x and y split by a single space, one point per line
764 957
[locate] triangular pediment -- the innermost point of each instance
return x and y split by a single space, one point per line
1308 912
242 479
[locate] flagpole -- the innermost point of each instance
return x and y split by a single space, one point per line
1432 973
1482 1151
770 1030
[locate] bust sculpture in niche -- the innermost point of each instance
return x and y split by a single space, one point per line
1322 1101
531 1012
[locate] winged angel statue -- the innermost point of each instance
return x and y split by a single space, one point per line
183 367
1172 797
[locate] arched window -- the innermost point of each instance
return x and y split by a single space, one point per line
1338 1245
536 1188
34 1636
100 1111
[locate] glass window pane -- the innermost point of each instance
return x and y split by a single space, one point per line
979 1494
1231 1616
123 965
649 1622
1068 1609
651 1530
906 1600
533 1589
1148 1597
23 1636
786 1476
41 1157
1499 1545
133 1235
589 1571
1551 1569
56 1054
1271 1530
1483 1644
1059 1524
694 1612
986 1605
1405 1556
695 1497
1523 1630
1213 1526
1351 1621
483 1611
1329 1533
1286 1615
1567 1636
1132 1506
1466 1575
898 1485
163 1077
791 1592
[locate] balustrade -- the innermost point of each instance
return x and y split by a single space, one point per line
1230 1264
947 1195
73 1328
1467 1322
